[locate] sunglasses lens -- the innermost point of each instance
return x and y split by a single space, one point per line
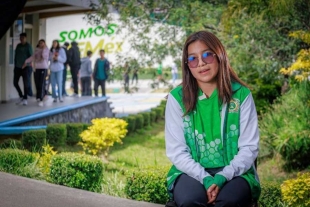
207 57
192 62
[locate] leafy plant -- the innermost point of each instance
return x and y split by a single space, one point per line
139 121
296 192
44 162
77 171
285 127
33 140
73 133
102 135
56 134
11 143
15 161
270 195
148 185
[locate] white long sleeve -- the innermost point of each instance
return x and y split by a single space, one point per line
248 142
176 148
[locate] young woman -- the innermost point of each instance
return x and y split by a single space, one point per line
57 59
40 59
211 130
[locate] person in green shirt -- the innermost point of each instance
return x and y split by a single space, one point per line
101 71
22 52
211 131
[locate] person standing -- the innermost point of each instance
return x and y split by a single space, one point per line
22 52
100 75
85 74
64 77
74 60
40 59
57 60
135 76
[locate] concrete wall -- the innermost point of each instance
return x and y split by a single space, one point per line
80 115
6 73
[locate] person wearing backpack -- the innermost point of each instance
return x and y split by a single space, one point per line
100 75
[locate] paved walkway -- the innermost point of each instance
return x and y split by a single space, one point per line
17 191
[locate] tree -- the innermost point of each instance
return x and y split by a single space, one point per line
171 21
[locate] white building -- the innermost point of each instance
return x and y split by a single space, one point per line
32 20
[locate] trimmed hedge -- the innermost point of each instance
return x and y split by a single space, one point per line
148 185
14 160
159 112
139 121
131 120
77 171
33 140
56 134
153 116
86 125
73 133
11 143
146 118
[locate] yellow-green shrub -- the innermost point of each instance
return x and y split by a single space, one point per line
45 159
102 135
296 192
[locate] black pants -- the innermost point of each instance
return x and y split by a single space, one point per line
96 86
188 192
40 76
64 78
134 76
74 72
86 86
29 73
18 72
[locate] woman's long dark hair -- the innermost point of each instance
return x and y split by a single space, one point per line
224 77
57 47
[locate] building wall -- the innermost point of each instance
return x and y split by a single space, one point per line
79 115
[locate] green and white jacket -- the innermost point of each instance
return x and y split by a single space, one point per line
216 136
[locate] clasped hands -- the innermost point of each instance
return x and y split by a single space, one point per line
212 193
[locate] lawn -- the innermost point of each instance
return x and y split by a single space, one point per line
147 148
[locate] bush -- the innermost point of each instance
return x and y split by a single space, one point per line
56 134
45 159
291 140
153 116
163 103
77 171
131 123
33 140
73 133
146 118
148 185
296 192
11 143
139 121
270 195
160 112
14 160
131 120
104 132
85 126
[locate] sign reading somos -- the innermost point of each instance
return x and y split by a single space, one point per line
98 31
95 44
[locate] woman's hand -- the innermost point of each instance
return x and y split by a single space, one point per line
212 193
24 65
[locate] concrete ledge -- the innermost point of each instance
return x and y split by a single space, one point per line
51 112
18 129
17 191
